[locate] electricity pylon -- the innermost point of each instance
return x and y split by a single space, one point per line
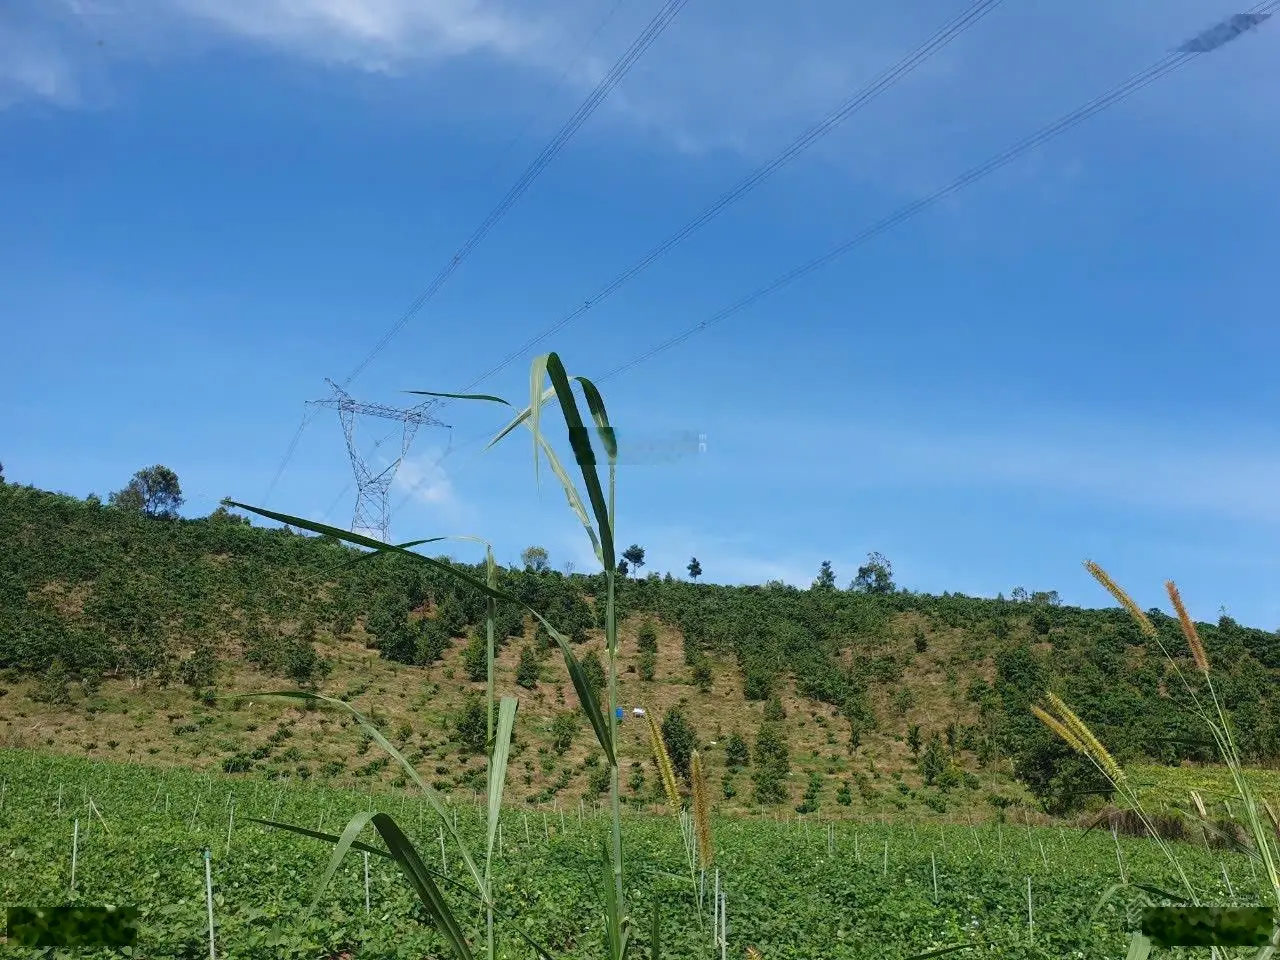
372 515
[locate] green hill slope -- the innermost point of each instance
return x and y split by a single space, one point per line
119 634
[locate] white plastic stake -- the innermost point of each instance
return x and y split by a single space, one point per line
231 816
366 883
1231 891
208 898
444 863
75 851
1042 854
886 858
1031 930
715 927
934 859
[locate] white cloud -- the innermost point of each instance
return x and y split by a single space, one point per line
424 480
33 66
377 34
746 83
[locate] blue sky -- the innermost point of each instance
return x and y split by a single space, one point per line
209 206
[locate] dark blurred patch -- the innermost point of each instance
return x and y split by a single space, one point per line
78 926
1208 926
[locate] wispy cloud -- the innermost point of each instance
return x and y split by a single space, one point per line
1152 466
745 83
424 478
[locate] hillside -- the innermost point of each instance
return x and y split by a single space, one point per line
124 636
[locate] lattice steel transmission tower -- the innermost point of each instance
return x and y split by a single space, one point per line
372 515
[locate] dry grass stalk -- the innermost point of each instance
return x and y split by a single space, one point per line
1126 601
701 811
663 761
1188 628
754 954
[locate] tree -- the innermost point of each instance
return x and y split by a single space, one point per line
736 753
623 569
475 657
222 515
1 474
634 555
702 674
302 664
874 576
563 727
680 740
593 670
826 577
199 669
535 559
695 569
154 491
772 765
647 637
471 725
528 669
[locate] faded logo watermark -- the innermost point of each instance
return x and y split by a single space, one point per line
636 448
641 449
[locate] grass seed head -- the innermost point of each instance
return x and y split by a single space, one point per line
663 762
1126 601
1092 746
1188 628
701 810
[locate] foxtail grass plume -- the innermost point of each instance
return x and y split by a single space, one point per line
663 762
1126 601
701 811
1273 817
1188 628
1080 738
1198 801
754 954
1054 724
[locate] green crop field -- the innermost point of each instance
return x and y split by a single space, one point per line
794 889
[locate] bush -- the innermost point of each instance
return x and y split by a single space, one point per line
528 670
736 753
647 637
680 740
563 728
471 725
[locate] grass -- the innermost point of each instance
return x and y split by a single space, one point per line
789 894
1253 823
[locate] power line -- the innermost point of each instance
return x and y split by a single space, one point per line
620 69
1090 109
942 37
1100 103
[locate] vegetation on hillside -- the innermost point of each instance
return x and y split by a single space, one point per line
92 592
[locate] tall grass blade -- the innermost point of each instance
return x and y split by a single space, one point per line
357 823
580 685
433 798
419 877
655 933
498 769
